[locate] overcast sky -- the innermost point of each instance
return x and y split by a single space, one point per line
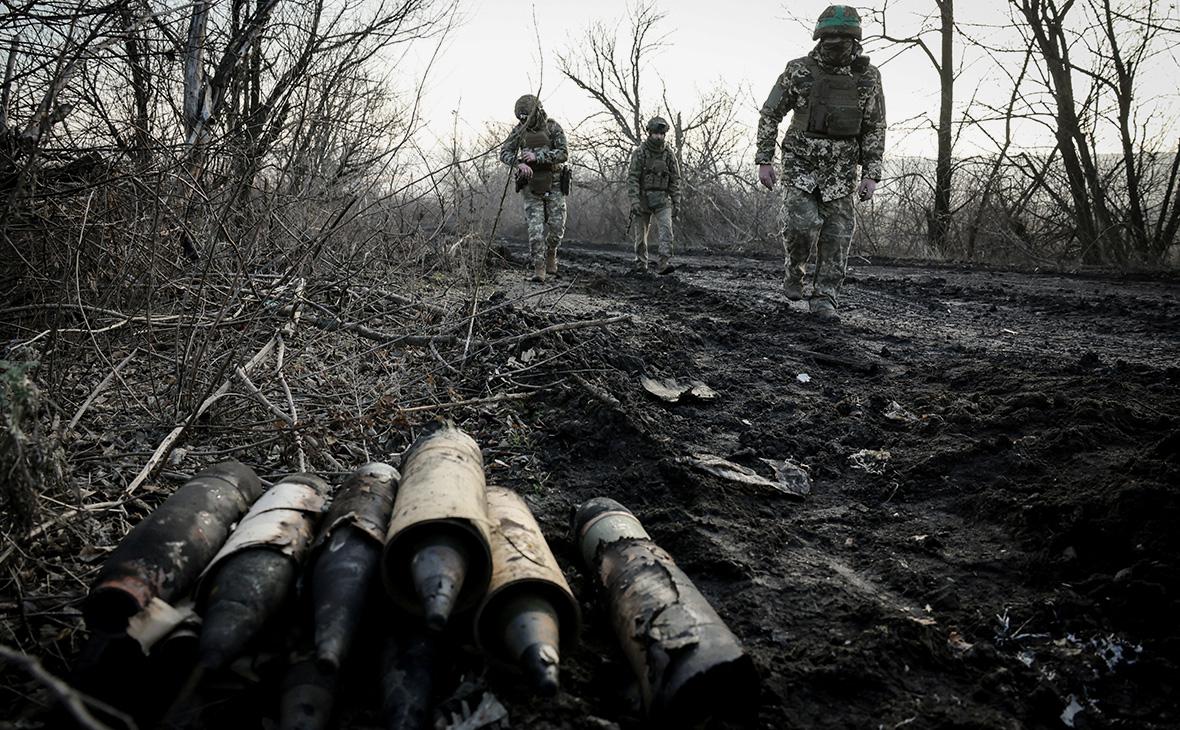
492 57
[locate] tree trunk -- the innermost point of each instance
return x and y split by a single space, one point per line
940 219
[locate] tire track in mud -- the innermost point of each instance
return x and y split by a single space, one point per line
938 590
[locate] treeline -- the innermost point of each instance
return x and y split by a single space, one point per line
137 138
1100 185
142 140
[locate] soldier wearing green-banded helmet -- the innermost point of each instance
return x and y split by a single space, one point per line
537 150
836 138
653 186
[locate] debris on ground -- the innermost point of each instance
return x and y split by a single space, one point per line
789 477
671 390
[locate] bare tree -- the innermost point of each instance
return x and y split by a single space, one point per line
942 60
613 75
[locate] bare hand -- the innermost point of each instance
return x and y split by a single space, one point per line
767 176
528 156
866 188
524 171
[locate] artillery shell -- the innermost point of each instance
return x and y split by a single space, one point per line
529 613
250 579
346 557
308 695
163 556
688 663
437 558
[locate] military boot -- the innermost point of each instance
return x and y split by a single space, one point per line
823 309
793 289
664 266
639 266
538 271
551 262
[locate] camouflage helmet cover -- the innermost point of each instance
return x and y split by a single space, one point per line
525 105
838 20
657 124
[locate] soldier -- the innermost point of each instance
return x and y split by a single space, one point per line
838 123
653 184
537 149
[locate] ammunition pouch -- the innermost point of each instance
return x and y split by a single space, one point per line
833 106
567 179
656 175
542 180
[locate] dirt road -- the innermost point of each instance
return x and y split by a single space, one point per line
990 540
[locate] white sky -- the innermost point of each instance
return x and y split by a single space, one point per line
492 57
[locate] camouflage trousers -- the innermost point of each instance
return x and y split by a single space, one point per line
641 227
807 220
545 217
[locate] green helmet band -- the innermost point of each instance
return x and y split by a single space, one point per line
838 20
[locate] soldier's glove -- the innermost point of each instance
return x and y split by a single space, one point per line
767 176
528 156
866 188
524 171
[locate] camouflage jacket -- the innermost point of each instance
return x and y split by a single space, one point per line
826 164
640 195
555 154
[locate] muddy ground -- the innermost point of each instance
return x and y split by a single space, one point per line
991 536
1009 557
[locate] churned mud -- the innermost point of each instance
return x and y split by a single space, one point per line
991 536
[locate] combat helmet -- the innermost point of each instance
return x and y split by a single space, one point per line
525 106
657 124
838 20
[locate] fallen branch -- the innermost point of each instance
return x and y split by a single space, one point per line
74 701
859 365
597 393
173 436
98 390
385 338
470 402
563 327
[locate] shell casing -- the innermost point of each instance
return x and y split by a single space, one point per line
529 614
689 665
346 556
439 521
250 579
164 555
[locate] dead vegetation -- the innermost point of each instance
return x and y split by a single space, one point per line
220 240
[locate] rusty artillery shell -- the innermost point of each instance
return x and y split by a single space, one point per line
250 578
163 556
529 613
309 691
688 663
437 558
346 557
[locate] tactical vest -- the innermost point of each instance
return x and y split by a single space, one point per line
656 175
542 179
833 106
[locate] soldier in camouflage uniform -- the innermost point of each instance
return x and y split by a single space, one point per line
653 185
838 123
537 149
